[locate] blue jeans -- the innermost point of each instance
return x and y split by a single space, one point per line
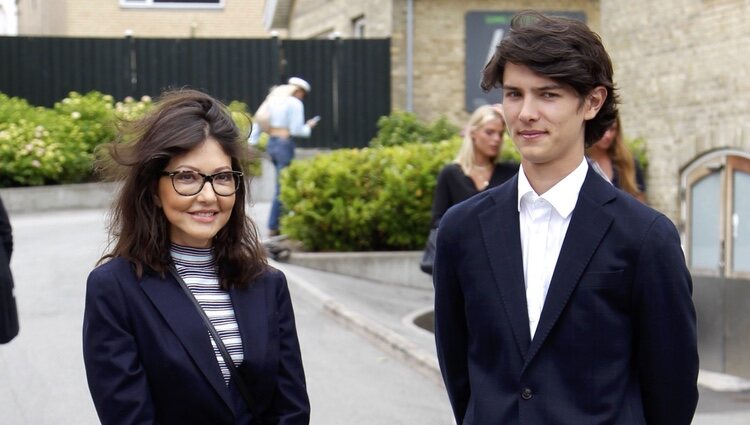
282 153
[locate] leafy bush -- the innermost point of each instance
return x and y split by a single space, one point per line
56 145
40 146
363 199
400 128
93 114
371 199
130 110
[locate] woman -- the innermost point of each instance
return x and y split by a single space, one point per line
183 246
476 167
617 163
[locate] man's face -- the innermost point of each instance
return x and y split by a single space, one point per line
545 119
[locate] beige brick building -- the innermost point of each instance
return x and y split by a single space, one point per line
682 68
144 18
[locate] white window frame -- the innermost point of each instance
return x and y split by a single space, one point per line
150 4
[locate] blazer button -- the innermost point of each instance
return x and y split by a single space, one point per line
526 394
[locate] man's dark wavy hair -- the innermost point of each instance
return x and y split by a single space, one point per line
562 49
181 120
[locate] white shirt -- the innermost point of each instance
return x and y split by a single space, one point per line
288 112
543 222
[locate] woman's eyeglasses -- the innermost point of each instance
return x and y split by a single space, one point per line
189 183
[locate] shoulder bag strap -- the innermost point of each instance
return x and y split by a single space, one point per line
236 378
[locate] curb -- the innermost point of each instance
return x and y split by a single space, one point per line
383 337
722 382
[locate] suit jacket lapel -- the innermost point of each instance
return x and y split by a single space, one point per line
502 239
181 316
587 228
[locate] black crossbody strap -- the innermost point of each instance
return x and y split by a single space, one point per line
236 378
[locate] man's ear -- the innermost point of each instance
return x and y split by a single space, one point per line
594 102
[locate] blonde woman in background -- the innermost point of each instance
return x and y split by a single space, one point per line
476 167
616 162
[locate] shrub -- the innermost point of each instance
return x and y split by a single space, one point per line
400 128
93 114
56 145
40 146
363 199
130 110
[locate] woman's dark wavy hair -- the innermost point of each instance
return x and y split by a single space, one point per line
564 50
181 120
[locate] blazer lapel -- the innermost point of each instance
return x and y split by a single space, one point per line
502 240
181 316
587 228
251 312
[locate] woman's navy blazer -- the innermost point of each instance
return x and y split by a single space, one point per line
149 358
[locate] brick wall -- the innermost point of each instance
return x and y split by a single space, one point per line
105 18
318 18
439 46
682 67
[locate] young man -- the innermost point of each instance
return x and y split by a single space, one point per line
558 298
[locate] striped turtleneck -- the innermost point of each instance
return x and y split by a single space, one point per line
197 267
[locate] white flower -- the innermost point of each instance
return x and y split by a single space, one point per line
36 164
75 115
146 98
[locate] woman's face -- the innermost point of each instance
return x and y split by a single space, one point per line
606 141
488 139
195 220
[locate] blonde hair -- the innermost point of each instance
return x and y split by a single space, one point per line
481 116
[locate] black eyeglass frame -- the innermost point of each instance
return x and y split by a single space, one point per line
206 178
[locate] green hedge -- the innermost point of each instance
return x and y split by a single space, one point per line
56 145
370 199
401 128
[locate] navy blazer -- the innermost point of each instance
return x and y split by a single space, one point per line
149 359
616 342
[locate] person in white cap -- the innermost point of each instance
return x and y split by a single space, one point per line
286 121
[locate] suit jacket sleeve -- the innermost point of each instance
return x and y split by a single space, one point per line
451 335
666 341
115 376
6 233
291 404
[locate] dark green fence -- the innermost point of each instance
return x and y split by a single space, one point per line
350 78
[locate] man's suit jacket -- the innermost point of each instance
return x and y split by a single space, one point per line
616 341
149 358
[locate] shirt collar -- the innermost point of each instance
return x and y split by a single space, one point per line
563 195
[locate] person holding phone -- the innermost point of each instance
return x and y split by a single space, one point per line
286 122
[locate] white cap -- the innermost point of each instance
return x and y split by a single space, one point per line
299 82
